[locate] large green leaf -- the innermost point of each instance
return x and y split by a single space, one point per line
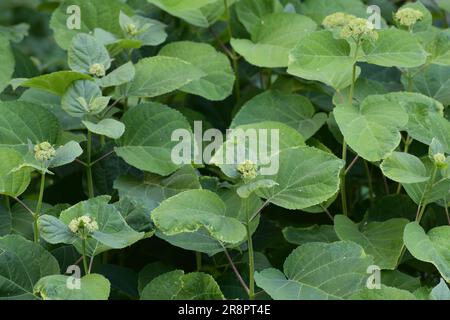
8 62
251 12
274 37
192 210
21 122
110 128
433 247
373 129
159 75
176 285
55 287
319 9
153 189
404 168
102 14
382 240
146 143
318 271
217 83
321 57
384 293
85 51
294 110
394 48
113 232
200 13
22 264
12 183
306 177
55 82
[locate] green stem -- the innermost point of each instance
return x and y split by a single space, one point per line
234 58
343 178
102 141
6 202
38 208
90 182
427 190
198 260
251 264
85 264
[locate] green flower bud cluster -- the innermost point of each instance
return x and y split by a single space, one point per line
248 170
98 70
440 161
44 151
351 26
131 29
83 226
408 17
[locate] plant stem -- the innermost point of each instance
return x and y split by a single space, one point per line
234 58
85 264
38 208
241 281
90 182
6 202
428 188
251 264
198 260
343 176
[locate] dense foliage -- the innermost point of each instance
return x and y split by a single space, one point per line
95 207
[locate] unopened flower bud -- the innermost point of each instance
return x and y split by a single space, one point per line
359 28
83 225
44 151
131 29
336 20
98 70
440 160
248 170
408 17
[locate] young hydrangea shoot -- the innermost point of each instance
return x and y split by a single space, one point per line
408 17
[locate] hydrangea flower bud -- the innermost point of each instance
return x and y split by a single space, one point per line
131 29
359 28
408 17
440 160
248 170
98 70
336 20
83 225
44 151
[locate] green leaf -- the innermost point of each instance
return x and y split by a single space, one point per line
102 14
319 9
55 82
306 177
22 264
110 128
56 287
432 247
153 189
194 209
273 39
321 57
8 62
248 189
85 51
83 97
440 292
373 129
147 143
176 285
385 293
113 232
251 12
123 74
434 82
394 48
159 75
315 233
444 4
293 110
196 12
382 240
150 32
12 183
217 82
21 122
404 168
318 271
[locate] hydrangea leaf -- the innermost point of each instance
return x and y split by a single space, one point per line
110 128
404 168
